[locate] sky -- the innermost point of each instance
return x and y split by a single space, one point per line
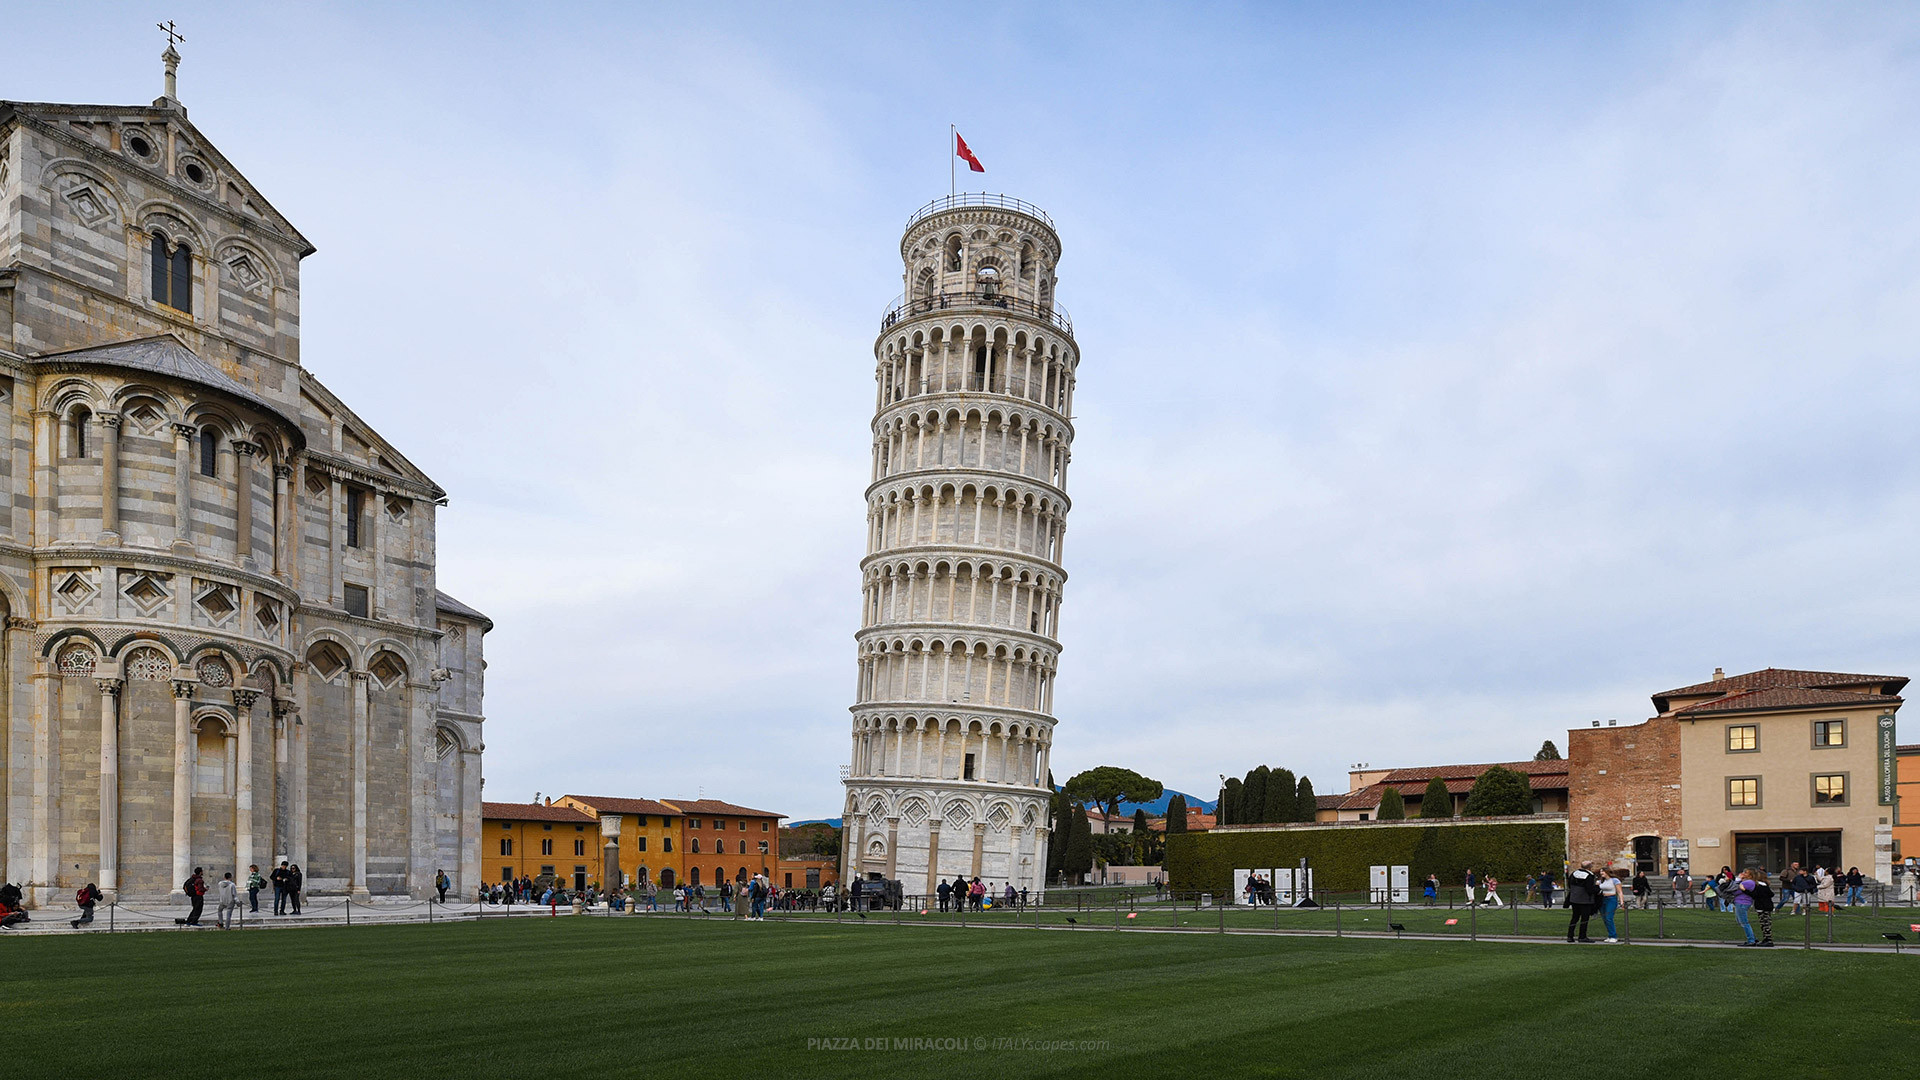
1451 375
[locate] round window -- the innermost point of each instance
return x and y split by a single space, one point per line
195 173
140 146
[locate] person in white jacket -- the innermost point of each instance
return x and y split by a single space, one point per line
227 895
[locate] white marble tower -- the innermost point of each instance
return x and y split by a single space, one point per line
962 579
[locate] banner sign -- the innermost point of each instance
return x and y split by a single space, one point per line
1888 777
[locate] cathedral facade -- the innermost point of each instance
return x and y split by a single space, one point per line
223 644
963 578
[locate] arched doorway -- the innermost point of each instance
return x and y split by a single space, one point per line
666 879
1646 854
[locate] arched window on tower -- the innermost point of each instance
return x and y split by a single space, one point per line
980 368
77 423
209 451
953 252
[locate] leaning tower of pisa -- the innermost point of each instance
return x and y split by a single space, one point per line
962 579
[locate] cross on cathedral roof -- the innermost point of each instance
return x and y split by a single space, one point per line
171 58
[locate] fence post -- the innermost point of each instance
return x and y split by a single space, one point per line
1660 919
1222 909
1516 919
110 908
349 911
1830 908
1336 917
1117 909
1807 924
1626 923
1473 922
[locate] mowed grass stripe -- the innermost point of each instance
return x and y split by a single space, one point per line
639 996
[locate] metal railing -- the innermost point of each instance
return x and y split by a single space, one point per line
906 307
981 198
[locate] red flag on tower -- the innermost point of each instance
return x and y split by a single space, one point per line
960 151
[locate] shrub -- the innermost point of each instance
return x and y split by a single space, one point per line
1304 801
1280 804
1341 855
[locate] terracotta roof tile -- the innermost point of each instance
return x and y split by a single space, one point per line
715 806
1775 678
1785 697
513 811
626 806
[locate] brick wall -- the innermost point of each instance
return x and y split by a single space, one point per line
1623 782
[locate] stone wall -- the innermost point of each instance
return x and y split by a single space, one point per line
1623 782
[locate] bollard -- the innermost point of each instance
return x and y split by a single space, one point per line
349 911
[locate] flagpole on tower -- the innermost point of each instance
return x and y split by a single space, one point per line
952 152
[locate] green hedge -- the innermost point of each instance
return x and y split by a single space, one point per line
1341 857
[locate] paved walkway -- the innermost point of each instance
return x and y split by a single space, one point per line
324 911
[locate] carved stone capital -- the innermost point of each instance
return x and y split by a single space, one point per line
244 448
21 622
108 419
109 686
184 688
283 472
244 698
361 676
184 431
285 707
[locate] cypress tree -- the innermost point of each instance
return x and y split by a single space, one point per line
1140 819
1392 806
1548 752
1305 802
1280 805
1253 796
1176 815
1079 856
1230 803
1436 803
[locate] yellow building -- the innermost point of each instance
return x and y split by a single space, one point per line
535 839
642 838
1782 766
675 841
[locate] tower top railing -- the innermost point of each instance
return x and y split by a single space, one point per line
907 306
980 198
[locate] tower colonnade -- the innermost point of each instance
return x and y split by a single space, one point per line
962 581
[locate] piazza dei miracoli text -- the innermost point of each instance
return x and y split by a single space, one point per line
223 641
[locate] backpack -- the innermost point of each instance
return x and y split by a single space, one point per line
80 898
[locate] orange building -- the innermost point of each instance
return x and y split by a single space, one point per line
723 841
535 839
675 841
813 872
1906 809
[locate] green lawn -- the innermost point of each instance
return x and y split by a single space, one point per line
680 997
1857 926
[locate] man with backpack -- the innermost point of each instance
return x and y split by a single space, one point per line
196 889
88 896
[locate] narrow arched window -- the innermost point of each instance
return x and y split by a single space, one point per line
172 274
77 432
209 452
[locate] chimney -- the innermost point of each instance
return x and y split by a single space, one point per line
549 800
1718 674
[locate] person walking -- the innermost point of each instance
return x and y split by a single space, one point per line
1609 887
1823 888
1763 907
195 887
1430 890
1642 888
1789 888
1583 896
1710 893
441 883
1470 884
254 884
295 882
227 896
1740 894
943 891
1546 889
88 896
